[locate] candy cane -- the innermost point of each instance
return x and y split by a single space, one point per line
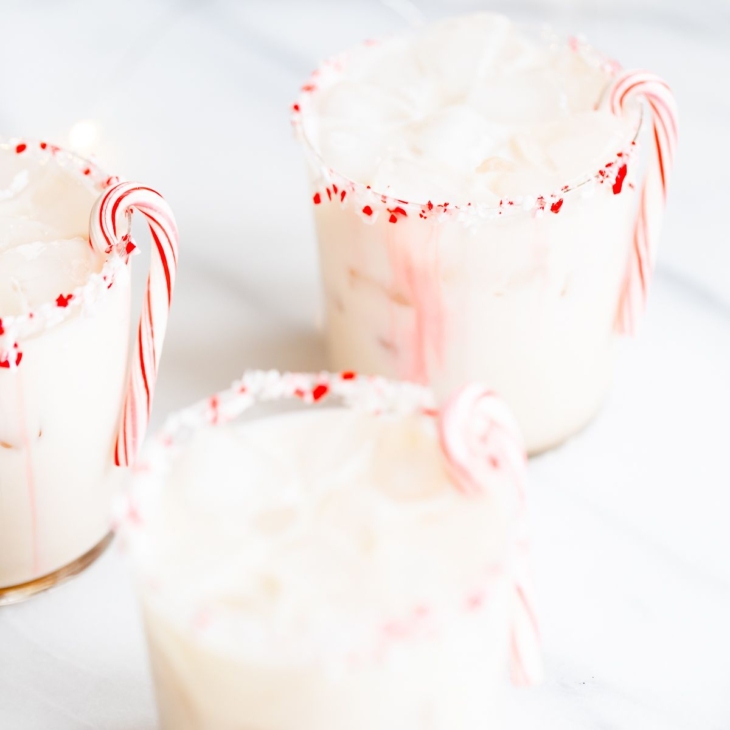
627 86
479 437
110 230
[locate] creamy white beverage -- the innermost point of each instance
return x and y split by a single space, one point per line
321 569
475 206
64 328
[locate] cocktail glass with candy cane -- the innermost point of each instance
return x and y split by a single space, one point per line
71 410
487 207
358 561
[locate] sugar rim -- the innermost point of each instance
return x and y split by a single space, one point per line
373 394
370 394
339 185
14 328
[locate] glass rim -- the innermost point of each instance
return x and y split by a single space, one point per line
370 393
49 315
373 395
508 205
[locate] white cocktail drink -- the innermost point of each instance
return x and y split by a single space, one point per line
320 570
475 208
72 413
65 329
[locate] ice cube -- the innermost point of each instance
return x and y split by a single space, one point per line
16 230
580 84
524 98
419 181
392 66
585 142
458 136
34 273
360 103
52 203
354 151
459 50
528 150
517 54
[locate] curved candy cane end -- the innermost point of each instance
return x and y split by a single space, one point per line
526 658
478 436
108 231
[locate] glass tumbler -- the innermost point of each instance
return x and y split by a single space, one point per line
528 295
71 411
318 552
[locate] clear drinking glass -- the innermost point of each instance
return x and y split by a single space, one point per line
341 556
63 367
522 295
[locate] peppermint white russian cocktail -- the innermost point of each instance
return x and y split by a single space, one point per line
358 566
476 200
64 331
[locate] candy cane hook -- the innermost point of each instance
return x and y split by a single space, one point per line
480 437
626 87
110 231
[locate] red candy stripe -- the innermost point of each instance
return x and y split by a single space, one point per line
479 438
110 229
627 86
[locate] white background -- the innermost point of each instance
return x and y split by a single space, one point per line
630 519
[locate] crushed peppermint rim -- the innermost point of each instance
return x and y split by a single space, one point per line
372 394
369 394
15 328
372 203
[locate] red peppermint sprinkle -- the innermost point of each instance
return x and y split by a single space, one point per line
342 194
320 391
619 181
299 393
43 145
308 87
6 362
334 188
429 205
367 210
214 404
557 205
2 329
129 248
475 601
347 375
329 194
392 218
317 198
295 107
87 171
62 301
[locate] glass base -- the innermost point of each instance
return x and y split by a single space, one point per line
23 591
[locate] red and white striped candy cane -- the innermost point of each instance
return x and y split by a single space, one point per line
480 437
110 230
626 87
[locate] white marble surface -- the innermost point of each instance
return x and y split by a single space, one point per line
632 549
